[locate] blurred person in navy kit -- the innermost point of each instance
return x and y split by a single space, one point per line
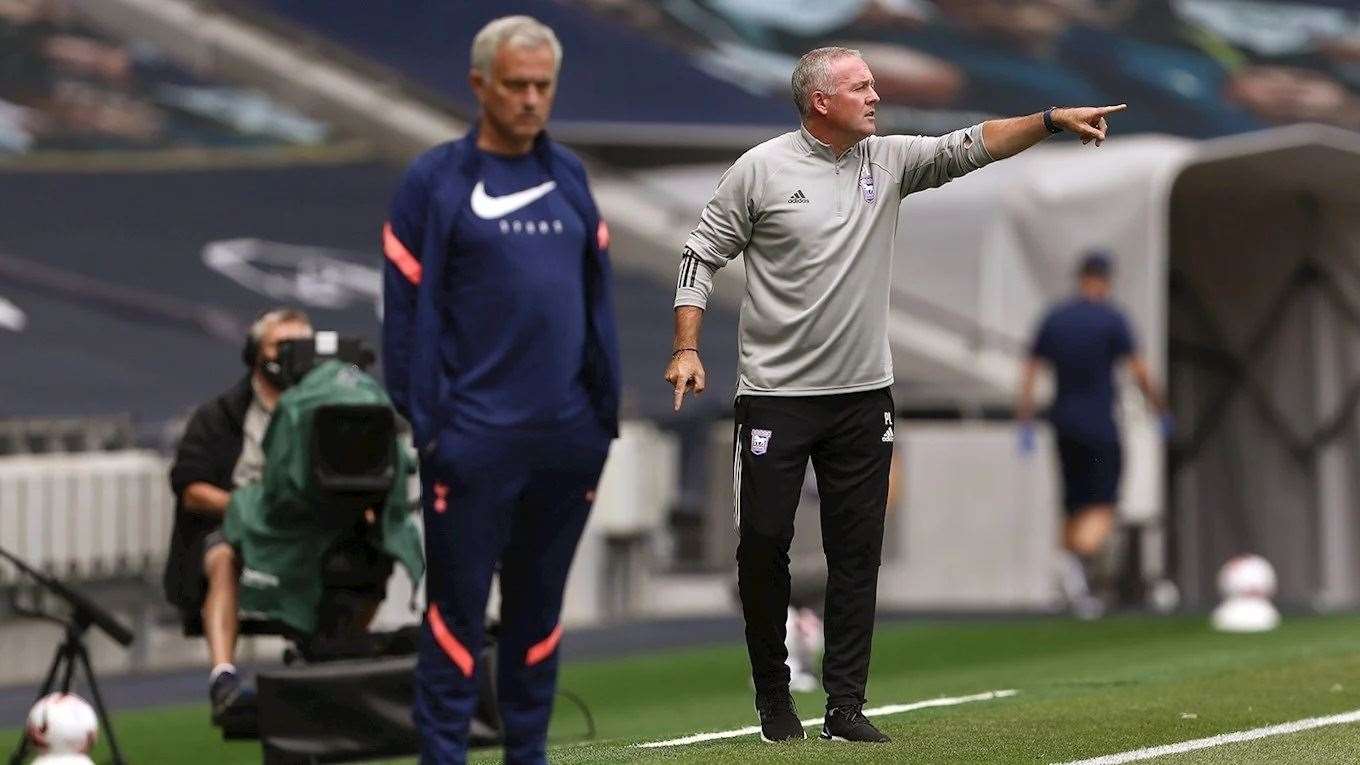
1082 340
222 450
499 346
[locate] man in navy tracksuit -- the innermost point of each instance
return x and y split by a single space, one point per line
499 346
1083 340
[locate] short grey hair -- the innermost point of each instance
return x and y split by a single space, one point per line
274 317
519 31
813 73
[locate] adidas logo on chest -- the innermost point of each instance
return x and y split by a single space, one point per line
799 198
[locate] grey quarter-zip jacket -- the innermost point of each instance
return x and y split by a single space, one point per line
818 232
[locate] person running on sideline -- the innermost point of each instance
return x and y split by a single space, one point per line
1082 340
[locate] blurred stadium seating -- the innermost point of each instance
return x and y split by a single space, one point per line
66 85
611 95
1194 68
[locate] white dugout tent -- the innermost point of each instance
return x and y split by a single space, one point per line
1238 261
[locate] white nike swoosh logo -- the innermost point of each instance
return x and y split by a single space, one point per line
491 208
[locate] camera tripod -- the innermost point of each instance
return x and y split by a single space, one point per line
72 652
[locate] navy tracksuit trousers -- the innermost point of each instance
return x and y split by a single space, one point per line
517 503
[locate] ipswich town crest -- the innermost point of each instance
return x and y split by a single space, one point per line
866 185
760 441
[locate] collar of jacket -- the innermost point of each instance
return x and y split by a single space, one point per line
472 156
236 401
814 145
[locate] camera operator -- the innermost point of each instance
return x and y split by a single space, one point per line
221 450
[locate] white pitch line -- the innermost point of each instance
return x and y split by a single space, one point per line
892 709
1226 738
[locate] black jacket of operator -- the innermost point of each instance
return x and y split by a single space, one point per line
208 452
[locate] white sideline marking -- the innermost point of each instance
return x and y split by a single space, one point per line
892 709
1220 740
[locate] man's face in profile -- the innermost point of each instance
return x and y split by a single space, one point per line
851 107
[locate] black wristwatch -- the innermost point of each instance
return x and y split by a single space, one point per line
1048 121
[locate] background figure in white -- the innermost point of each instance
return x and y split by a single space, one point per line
803 637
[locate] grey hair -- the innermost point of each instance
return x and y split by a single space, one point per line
813 73
519 31
272 318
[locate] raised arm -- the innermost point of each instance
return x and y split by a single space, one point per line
1008 137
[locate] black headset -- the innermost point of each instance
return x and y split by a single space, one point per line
250 352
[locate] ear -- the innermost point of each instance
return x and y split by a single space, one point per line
821 102
477 81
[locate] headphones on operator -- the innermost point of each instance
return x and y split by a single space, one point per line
251 352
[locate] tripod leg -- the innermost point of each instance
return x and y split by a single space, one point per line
57 660
84 657
19 754
72 648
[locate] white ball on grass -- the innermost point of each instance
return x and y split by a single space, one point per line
1247 576
62 724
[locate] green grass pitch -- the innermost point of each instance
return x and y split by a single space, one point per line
1085 689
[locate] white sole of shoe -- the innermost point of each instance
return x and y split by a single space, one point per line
825 737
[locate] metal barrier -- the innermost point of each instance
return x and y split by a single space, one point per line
86 516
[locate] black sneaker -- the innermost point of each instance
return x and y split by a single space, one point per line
848 723
227 693
779 719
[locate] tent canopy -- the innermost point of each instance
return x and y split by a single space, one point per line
1238 261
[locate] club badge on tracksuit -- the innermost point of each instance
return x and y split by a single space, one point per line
760 440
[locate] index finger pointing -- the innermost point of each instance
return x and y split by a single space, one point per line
1111 109
679 394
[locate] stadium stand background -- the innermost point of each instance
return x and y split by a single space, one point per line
1197 68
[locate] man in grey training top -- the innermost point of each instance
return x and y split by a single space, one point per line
815 211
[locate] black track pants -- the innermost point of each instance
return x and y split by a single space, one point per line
849 438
